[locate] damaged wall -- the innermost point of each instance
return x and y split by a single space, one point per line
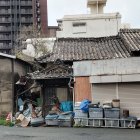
5 85
7 81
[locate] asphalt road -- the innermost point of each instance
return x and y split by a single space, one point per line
53 133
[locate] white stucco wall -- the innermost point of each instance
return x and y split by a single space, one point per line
109 71
118 66
98 25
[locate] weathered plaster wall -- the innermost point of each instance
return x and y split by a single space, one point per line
99 25
5 85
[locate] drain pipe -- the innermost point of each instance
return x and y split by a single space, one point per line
69 84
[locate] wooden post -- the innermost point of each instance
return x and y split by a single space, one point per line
13 84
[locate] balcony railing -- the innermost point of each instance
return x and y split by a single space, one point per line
5 29
26 3
5 3
5 37
5 20
5 46
23 11
26 20
5 11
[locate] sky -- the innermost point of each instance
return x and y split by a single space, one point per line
129 9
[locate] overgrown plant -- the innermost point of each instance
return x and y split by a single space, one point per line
37 39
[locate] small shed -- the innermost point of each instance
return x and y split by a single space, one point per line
11 68
55 80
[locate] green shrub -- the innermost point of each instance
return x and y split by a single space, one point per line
2 122
6 123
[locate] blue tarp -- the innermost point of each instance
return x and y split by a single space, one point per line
84 105
66 106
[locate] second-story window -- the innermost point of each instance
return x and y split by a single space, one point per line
79 27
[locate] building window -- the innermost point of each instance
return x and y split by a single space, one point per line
78 24
79 27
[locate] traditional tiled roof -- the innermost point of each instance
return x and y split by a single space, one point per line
73 49
56 70
131 37
77 49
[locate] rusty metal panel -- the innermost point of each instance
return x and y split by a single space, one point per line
82 89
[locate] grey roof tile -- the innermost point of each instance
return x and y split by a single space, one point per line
76 49
132 38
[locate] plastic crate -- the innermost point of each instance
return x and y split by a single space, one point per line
65 116
95 122
52 122
80 114
95 113
128 123
81 121
65 123
37 121
112 113
112 123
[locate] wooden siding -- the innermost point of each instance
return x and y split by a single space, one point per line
62 94
82 89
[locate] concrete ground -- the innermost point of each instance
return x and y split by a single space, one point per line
55 133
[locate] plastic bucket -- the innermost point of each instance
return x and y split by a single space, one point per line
116 103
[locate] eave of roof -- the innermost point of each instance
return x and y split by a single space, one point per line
8 56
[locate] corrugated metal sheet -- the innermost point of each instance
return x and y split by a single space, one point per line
82 89
128 93
103 92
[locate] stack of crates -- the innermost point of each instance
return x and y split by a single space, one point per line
51 120
80 118
96 117
65 120
112 116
